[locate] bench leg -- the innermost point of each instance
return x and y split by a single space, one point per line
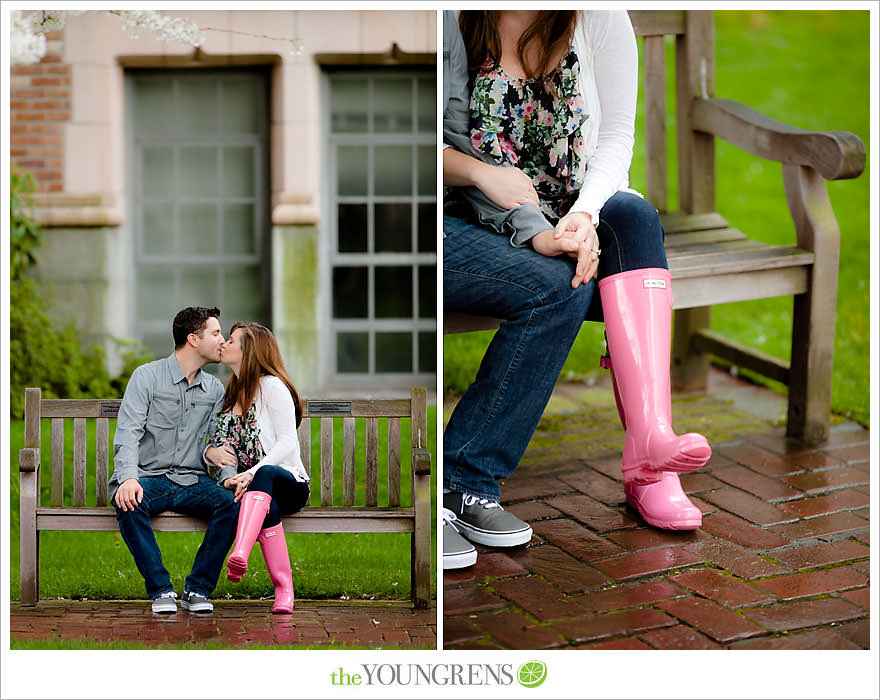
690 367
29 558
420 557
812 338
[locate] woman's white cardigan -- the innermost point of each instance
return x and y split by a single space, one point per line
276 420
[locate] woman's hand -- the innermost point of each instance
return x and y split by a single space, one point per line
578 226
240 483
223 456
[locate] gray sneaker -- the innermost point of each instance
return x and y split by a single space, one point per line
196 602
165 602
457 551
486 522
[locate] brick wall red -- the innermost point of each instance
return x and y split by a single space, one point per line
38 108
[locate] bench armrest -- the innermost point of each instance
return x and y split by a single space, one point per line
836 155
28 459
421 461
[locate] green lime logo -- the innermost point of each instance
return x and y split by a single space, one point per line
531 674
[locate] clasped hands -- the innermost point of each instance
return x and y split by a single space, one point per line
574 235
224 456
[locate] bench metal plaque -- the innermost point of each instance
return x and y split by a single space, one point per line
110 409
329 408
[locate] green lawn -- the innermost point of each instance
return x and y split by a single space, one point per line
98 564
809 69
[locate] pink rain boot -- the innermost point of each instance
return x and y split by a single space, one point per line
274 548
662 504
638 309
252 513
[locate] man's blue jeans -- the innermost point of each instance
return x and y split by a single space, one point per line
204 499
483 274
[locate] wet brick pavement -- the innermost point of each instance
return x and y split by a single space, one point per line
781 561
234 624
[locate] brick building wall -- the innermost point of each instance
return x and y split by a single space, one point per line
39 107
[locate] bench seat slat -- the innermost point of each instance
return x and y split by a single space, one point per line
678 222
724 262
333 519
698 237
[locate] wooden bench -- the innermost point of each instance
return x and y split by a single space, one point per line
713 263
336 514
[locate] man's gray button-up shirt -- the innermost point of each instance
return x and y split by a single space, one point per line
164 423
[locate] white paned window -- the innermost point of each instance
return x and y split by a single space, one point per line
382 211
199 177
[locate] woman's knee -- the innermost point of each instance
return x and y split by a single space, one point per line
632 216
264 479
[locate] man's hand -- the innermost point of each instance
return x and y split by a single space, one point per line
506 185
129 494
223 456
239 483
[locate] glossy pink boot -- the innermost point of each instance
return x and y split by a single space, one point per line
274 547
251 514
638 311
664 504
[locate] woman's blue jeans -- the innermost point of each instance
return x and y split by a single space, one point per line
204 499
288 495
483 274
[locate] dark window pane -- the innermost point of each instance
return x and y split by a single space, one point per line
352 352
352 228
394 288
427 170
393 352
427 227
427 351
427 291
393 228
350 292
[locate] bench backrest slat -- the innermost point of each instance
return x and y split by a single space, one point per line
56 494
102 459
327 461
654 90
79 461
305 444
349 445
394 461
371 470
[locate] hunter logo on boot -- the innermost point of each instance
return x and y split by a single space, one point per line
659 284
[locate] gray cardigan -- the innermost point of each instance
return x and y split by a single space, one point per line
520 223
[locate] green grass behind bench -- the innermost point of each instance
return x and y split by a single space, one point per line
98 564
806 68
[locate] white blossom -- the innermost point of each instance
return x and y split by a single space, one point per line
164 27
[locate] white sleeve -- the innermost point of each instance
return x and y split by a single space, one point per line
278 404
615 62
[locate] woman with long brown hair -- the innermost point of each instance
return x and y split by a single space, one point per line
256 434
539 126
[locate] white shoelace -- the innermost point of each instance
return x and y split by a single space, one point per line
485 502
449 518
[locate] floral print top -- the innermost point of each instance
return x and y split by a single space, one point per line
242 434
534 127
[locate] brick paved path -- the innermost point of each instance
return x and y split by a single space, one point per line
233 624
781 561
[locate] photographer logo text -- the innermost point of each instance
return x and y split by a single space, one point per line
529 675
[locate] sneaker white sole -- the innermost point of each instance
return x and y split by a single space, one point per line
165 610
494 539
459 560
196 608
